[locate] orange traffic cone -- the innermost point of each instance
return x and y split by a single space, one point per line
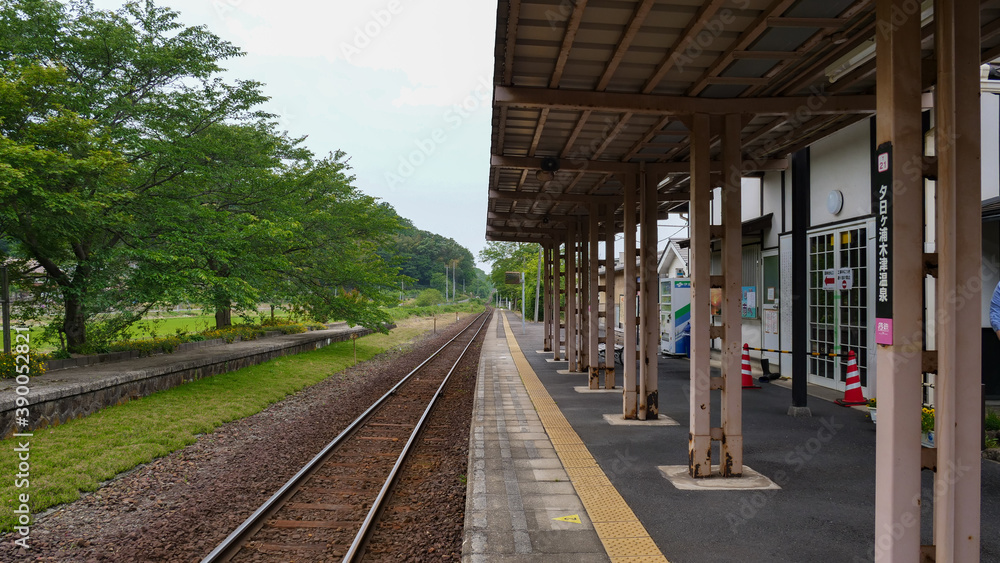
747 377
853 394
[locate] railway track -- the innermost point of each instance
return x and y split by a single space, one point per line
327 510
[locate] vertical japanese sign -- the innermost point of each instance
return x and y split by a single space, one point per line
882 196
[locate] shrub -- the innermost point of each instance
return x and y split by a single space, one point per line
286 326
992 420
429 297
147 347
230 334
292 328
8 363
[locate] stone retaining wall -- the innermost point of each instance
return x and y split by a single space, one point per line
53 402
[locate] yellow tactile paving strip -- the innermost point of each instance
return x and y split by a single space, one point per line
624 537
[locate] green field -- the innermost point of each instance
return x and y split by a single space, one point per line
158 326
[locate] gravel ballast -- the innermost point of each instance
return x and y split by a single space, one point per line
177 508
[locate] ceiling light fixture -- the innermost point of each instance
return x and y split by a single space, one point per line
543 175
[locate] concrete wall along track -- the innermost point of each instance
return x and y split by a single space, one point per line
59 396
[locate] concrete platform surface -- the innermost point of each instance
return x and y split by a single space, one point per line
521 505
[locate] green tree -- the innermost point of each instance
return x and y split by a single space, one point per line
423 255
480 286
513 257
118 103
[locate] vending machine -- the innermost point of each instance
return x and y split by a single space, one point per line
675 315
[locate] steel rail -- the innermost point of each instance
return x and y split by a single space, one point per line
235 540
361 536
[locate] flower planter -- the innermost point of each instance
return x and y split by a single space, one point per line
871 413
927 439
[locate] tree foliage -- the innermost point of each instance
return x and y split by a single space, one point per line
513 257
424 255
132 175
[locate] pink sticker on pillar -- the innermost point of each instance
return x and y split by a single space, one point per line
883 331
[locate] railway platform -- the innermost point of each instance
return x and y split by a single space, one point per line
530 412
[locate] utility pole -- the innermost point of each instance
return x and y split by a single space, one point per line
446 283
538 281
522 303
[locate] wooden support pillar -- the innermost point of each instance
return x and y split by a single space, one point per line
630 388
700 431
731 445
571 290
897 457
649 300
592 297
958 430
584 319
546 298
610 299
559 285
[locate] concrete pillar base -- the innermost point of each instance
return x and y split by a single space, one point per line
799 412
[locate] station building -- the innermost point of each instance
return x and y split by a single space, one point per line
800 137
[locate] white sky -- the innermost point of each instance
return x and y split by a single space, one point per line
403 87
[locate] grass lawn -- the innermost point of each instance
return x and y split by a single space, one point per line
80 454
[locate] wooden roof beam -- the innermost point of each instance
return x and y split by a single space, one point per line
568 165
821 23
513 14
615 167
553 197
638 16
543 115
756 28
677 105
572 26
768 55
584 199
502 237
612 135
584 116
854 35
694 27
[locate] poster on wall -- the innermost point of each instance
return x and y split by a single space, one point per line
749 302
770 321
716 296
882 196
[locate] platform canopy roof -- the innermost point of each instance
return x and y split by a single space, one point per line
589 90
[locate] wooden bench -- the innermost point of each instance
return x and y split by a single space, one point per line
619 349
